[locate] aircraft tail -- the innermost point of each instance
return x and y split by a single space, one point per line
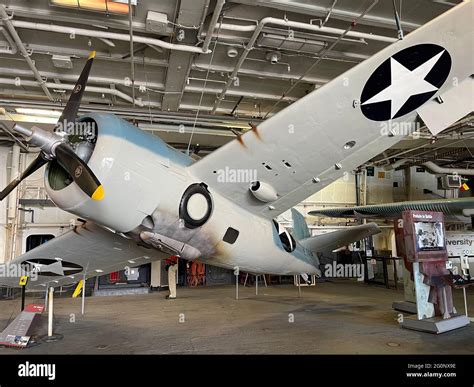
325 243
300 228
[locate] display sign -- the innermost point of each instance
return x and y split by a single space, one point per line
460 243
424 236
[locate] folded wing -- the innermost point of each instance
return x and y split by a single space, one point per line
332 131
88 249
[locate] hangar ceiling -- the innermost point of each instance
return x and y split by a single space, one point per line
211 65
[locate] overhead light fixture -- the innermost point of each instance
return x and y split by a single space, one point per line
232 52
273 57
106 6
38 112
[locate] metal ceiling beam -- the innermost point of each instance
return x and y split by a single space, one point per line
213 24
11 48
9 25
190 13
257 29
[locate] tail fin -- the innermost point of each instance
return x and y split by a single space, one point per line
300 228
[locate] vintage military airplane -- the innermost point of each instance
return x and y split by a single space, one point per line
143 199
462 207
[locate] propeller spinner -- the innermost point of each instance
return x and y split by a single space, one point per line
54 147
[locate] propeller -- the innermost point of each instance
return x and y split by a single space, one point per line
55 147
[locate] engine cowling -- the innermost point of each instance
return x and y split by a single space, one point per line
133 167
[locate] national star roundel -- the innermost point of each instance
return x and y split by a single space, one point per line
405 81
51 267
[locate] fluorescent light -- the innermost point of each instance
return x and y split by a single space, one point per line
134 2
95 5
38 112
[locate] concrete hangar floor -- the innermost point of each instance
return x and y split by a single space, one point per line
336 317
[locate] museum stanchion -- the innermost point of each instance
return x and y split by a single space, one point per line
51 337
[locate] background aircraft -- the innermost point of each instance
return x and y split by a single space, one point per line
450 207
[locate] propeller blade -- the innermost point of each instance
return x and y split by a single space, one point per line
69 113
79 171
33 167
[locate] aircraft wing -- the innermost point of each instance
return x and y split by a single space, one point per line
462 206
333 240
88 248
338 127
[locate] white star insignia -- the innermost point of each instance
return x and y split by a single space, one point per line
55 267
405 83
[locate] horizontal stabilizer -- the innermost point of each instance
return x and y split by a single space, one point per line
333 240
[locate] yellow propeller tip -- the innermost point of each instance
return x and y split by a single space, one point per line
92 55
99 193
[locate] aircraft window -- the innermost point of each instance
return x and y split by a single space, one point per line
231 235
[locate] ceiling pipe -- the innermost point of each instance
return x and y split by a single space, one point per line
256 73
257 29
12 137
212 24
142 114
152 85
203 17
73 78
106 35
311 9
447 171
92 89
12 49
308 27
132 64
11 29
